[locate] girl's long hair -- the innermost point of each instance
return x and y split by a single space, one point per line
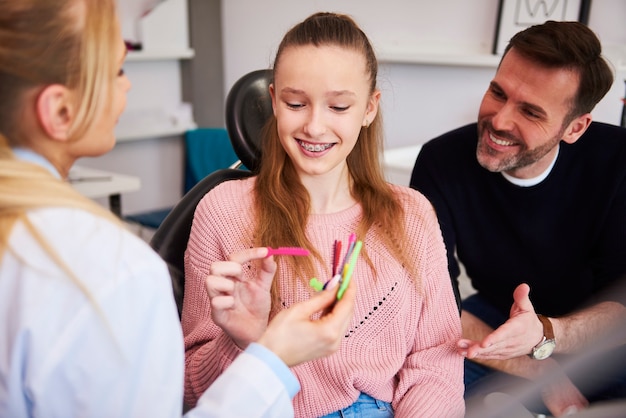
283 203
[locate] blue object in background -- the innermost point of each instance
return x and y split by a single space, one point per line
206 150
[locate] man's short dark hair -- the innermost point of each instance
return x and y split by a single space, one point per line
572 46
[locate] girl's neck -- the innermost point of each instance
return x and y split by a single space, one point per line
329 193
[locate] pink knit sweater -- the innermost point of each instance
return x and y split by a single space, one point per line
400 345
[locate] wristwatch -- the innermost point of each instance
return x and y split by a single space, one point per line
544 349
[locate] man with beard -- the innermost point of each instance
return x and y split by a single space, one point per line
532 201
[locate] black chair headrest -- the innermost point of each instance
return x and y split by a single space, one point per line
248 107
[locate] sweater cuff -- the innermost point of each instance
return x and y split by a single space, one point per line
277 365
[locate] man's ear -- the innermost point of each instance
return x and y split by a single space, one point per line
576 128
55 111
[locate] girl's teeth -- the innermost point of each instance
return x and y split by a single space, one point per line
316 147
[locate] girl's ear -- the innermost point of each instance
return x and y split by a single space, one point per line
55 111
273 96
372 108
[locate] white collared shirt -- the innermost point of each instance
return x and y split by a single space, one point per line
116 348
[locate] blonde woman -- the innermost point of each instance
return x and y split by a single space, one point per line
88 321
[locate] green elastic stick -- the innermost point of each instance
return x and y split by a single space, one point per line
316 284
345 280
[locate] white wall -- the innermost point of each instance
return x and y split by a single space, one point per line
157 160
419 101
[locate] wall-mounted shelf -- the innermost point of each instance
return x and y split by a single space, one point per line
455 57
155 122
153 133
159 55
454 60
446 55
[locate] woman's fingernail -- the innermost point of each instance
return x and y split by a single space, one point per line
331 285
570 410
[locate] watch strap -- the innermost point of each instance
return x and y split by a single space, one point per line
548 331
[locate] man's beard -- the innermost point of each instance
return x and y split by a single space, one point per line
523 158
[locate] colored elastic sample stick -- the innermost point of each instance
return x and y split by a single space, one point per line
316 284
336 255
351 242
349 269
287 251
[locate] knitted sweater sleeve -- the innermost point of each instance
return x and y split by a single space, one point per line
431 380
217 230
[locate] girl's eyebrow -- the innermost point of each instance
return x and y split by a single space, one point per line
341 93
291 90
333 93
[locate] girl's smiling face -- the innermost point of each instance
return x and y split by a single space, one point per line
321 99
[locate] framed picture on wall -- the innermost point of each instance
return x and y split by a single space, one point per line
517 15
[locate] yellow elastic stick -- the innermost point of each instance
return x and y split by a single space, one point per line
347 271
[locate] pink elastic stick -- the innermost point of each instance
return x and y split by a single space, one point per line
287 251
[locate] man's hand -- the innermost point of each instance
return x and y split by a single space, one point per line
241 307
516 337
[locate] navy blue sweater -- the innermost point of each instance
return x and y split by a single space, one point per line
565 237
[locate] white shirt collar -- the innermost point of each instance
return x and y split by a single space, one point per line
29 155
535 180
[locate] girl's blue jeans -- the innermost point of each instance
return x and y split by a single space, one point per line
364 407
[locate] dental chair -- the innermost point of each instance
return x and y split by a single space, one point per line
248 107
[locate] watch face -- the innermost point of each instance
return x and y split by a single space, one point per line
544 350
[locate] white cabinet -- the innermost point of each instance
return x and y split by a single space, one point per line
160 55
150 131
154 106
154 103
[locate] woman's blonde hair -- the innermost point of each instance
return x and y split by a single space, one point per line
282 202
44 42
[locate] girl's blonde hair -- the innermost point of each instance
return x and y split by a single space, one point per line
44 42
282 202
